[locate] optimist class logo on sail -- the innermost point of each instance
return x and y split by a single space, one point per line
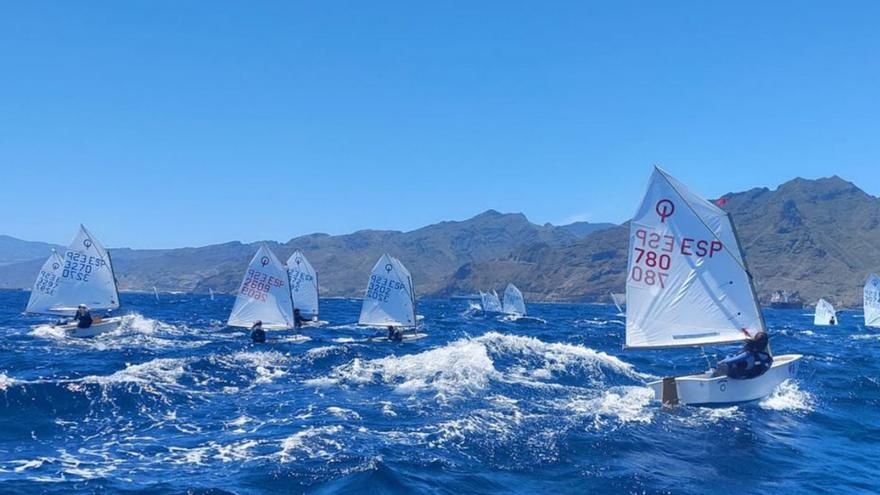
655 248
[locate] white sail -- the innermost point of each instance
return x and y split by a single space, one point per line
264 294
211 293
490 302
389 299
43 293
825 314
303 284
514 304
85 277
619 300
156 293
687 282
872 301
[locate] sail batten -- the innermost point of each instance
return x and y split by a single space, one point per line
303 284
872 301
687 281
264 294
389 299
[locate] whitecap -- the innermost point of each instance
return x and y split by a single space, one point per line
788 397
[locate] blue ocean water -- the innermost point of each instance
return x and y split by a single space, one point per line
176 402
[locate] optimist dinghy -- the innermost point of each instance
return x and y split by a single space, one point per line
490 303
825 314
872 301
84 275
264 295
389 300
688 285
304 288
514 304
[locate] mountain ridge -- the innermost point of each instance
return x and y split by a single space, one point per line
819 237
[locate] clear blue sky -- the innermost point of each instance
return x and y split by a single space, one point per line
173 123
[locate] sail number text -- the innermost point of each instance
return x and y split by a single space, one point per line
380 288
652 254
78 266
257 285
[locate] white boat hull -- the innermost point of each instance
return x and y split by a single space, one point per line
106 325
705 390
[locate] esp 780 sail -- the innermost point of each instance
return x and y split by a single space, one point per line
264 294
687 282
389 298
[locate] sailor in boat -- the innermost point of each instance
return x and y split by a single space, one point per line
832 321
298 319
395 334
752 361
83 317
258 335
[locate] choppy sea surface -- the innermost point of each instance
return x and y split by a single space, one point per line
175 401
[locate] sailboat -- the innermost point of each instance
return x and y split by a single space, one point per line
156 293
490 302
688 285
264 295
84 275
211 293
389 300
304 287
514 304
825 314
619 301
872 301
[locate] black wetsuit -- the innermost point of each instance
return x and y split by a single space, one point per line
298 320
258 335
752 361
83 320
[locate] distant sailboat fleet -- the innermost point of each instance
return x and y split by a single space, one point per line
514 304
687 285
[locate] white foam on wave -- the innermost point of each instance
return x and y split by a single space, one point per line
342 413
134 330
6 382
322 352
238 451
268 365
460 366
559 357
154 372
311 443
466 366
616 405
866 336
788 397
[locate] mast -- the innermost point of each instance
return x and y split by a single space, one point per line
748 275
